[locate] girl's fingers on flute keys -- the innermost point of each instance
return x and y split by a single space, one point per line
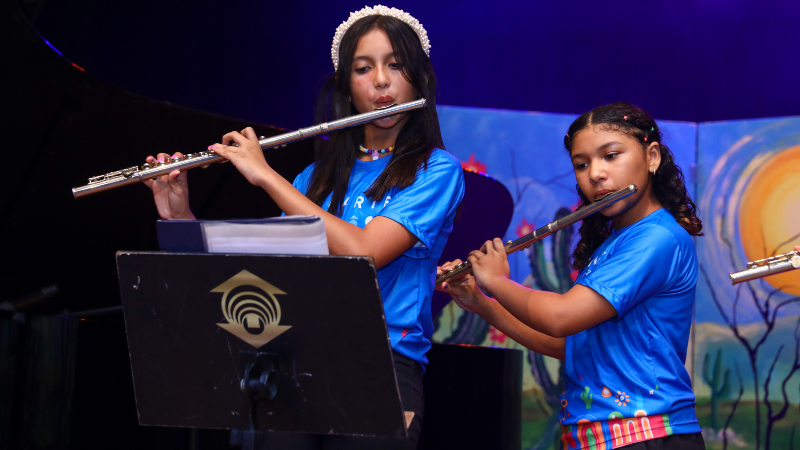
249 133
499 247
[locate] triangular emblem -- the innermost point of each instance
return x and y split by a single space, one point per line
251 307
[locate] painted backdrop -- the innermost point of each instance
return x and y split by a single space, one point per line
747 337
745 178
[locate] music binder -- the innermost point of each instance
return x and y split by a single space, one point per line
298 234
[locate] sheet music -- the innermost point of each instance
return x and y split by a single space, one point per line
288 235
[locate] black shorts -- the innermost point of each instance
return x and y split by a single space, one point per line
692 441
409 381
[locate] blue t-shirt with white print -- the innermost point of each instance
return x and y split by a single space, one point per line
426 209
626 379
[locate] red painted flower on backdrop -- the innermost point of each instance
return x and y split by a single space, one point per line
525 228
496 335
473 165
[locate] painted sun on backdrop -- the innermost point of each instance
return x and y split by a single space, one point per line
769 214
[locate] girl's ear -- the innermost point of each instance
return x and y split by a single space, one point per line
653 157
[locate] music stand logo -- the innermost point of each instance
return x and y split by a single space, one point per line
251 309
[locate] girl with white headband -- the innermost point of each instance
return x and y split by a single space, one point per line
385 189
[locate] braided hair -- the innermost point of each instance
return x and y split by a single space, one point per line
668 182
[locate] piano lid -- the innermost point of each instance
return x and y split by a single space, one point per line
62 126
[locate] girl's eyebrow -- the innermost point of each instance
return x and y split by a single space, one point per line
602 147
608 144
369 58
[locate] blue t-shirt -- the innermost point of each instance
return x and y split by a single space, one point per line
626 379
426 209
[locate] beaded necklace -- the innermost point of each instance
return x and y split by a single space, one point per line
375 153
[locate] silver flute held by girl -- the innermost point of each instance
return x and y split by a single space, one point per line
766 267
464 269
149 171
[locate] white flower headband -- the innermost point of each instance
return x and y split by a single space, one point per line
378 10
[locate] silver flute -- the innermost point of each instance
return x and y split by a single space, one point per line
768 266
149 171
465 268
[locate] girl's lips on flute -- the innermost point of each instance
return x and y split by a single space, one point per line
384 100
601 193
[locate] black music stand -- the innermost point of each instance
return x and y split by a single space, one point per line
259 343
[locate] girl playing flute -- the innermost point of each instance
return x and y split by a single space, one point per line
623 328
385 189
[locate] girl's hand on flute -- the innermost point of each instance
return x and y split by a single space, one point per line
463 291
489 264
247 157
171 192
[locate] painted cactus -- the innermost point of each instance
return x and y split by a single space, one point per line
719 384
559 279
471 330
554 278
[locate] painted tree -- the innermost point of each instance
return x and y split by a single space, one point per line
768 310
733 411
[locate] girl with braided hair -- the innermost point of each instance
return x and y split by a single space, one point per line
623 328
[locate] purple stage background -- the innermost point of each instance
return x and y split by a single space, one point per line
264 61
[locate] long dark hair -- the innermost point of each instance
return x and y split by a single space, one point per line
668 182
416 140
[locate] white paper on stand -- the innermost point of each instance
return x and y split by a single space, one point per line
288 235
